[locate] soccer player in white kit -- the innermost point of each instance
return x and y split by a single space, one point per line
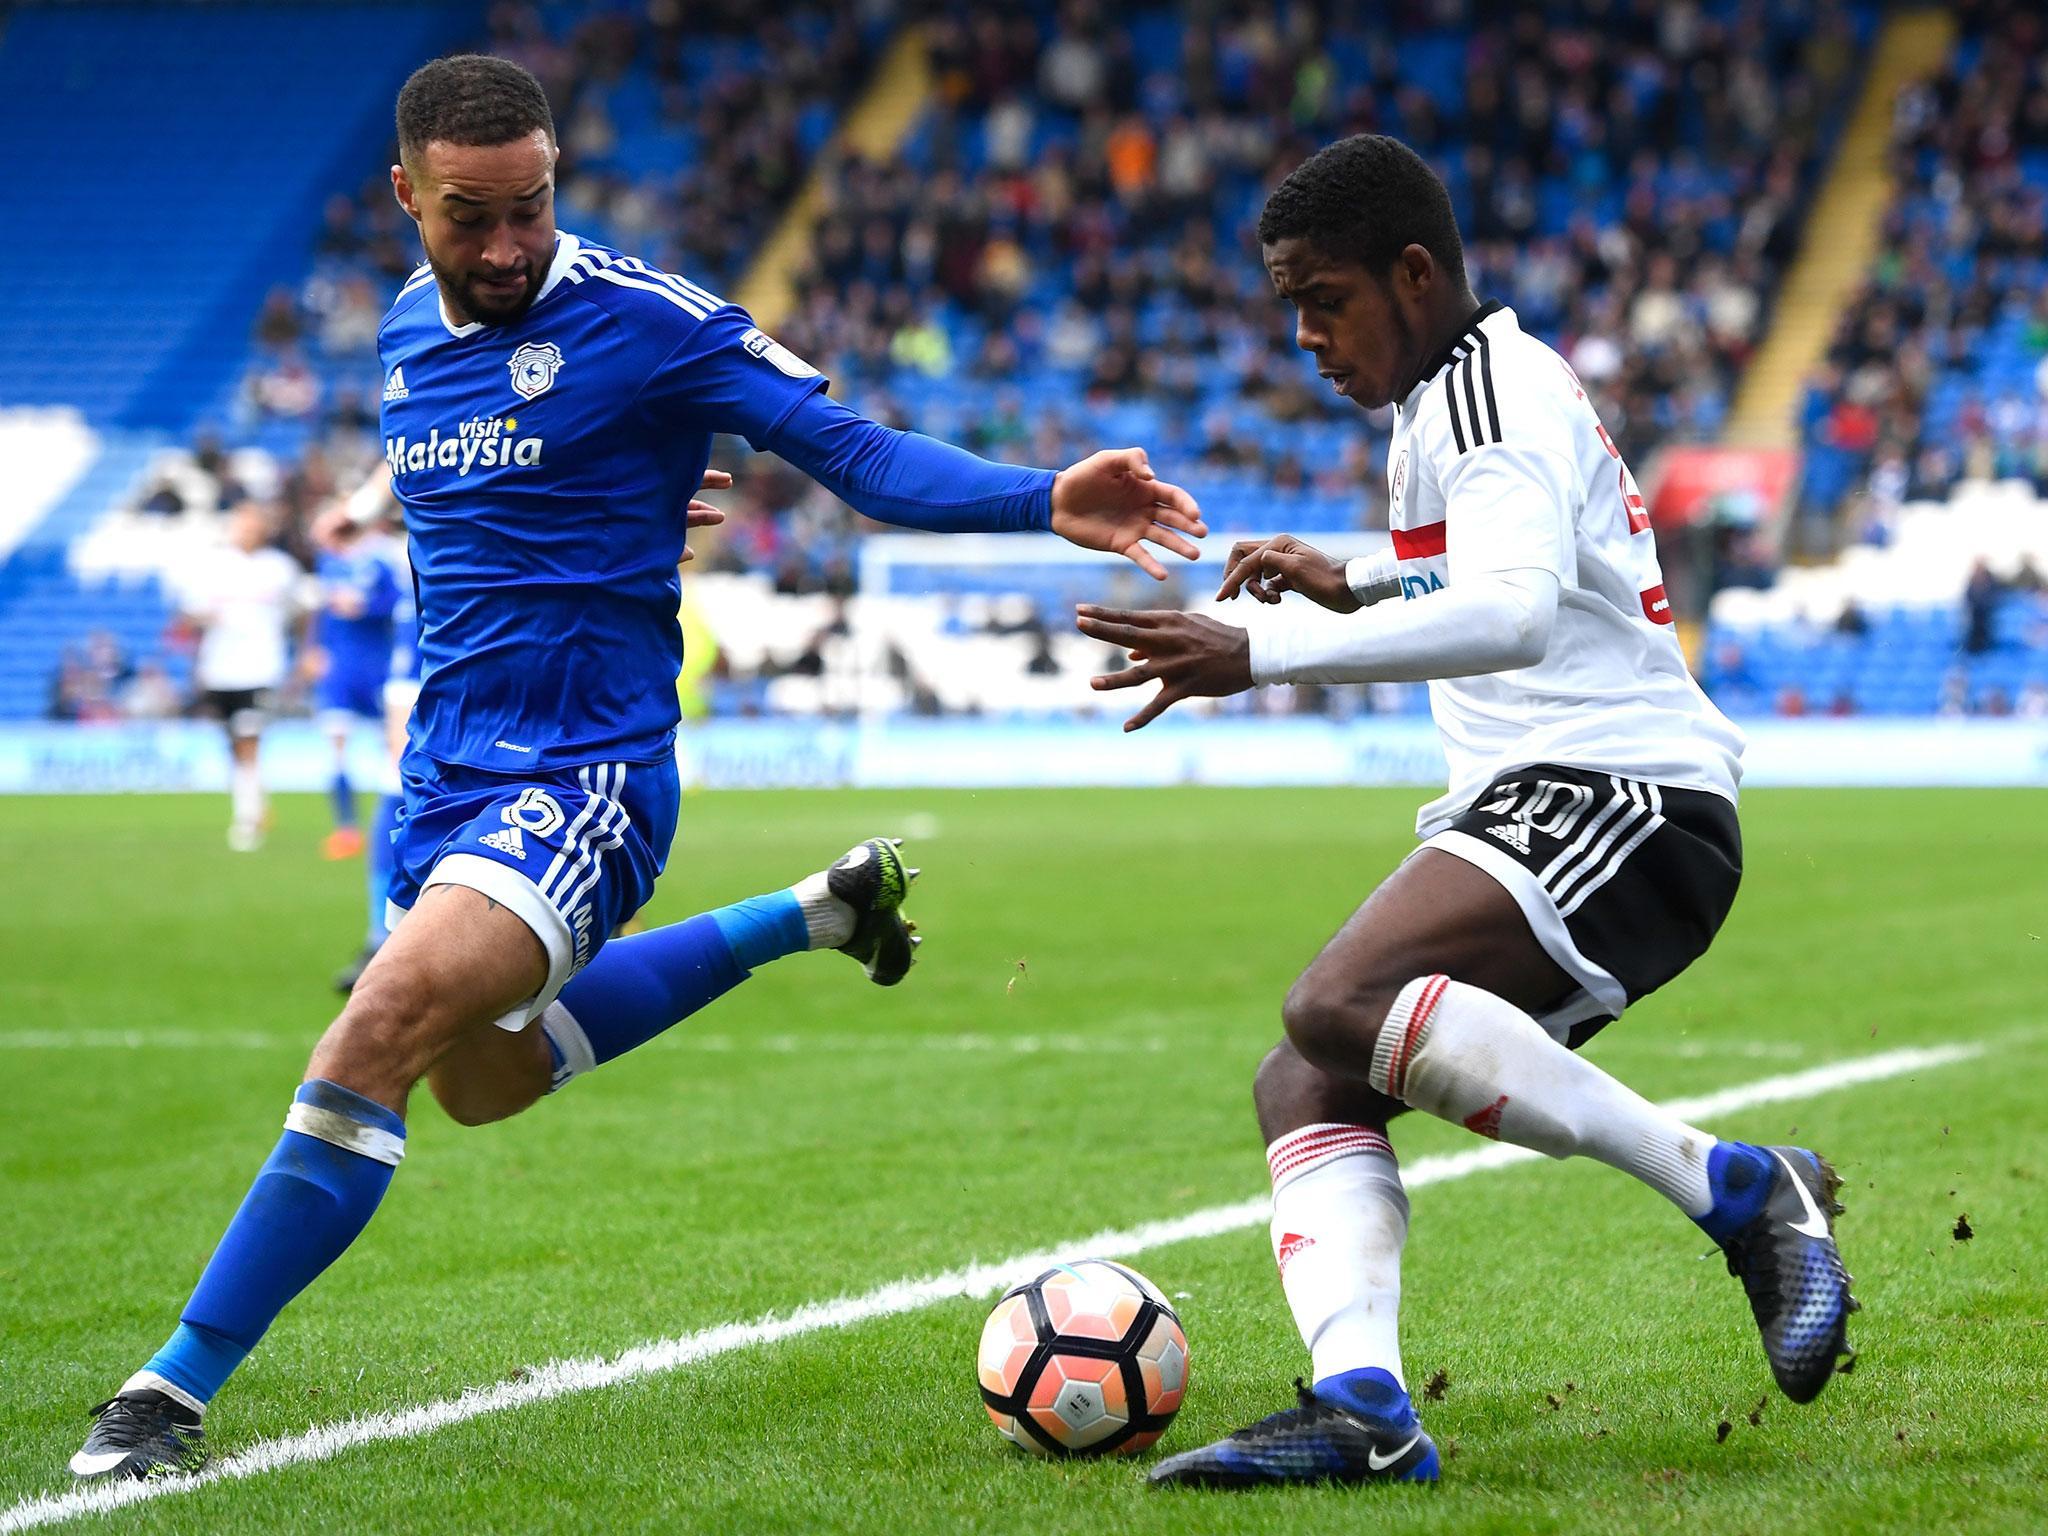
1586 852
246 599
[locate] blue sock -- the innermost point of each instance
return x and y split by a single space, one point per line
1371 1393
343 796
1740 1177
763 928
378 856
638 987
307 1205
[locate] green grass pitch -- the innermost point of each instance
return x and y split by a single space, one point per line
1072 1054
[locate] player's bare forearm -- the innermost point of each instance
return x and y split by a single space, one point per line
1188 655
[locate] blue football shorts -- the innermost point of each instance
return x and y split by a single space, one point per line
572 853
349 693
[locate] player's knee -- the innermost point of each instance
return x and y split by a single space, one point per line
386 1034
1333 1021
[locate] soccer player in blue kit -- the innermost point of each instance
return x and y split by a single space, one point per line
359 593
548 411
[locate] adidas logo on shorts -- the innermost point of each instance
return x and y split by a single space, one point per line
507 841
1514 834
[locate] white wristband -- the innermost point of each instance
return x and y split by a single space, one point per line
1373 578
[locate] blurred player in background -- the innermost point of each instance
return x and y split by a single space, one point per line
247 600
1586 853
373 513
548 413
360 571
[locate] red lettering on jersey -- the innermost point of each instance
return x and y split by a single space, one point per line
1656 606
1419 543
1632 503
1577 388
1606 441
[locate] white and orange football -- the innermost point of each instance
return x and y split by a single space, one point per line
1087 1359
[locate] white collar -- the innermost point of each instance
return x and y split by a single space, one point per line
567 247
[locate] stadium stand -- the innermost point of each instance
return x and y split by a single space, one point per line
1933 376
253 371
1926 446
1069 228
1059 256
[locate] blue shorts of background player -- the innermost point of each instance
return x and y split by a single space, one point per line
349 694
572 853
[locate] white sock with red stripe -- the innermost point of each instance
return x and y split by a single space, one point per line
1461 1053
1340 1217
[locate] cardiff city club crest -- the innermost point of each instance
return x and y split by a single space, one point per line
534 365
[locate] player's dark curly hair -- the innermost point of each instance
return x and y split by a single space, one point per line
1366 199
469 98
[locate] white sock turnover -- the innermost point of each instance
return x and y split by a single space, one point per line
1461 1053
1340 1217
829 919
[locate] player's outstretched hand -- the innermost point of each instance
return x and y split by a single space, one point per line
1111 500
1191 656
1266 568
332 528
702 514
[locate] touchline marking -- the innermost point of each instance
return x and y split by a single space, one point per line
826 1043
563 1377
143 1039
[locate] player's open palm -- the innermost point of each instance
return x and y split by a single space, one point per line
1112 501
1266 569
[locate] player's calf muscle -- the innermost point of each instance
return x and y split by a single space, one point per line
1289 1092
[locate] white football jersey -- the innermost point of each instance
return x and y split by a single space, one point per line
1499 458
247 601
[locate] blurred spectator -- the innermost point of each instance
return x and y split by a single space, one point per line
152 694
1981 599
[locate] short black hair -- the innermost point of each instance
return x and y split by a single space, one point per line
1366 198
470 98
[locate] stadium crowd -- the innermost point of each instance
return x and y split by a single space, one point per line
1061 253
1938 370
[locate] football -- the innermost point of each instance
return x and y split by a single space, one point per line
1086 1359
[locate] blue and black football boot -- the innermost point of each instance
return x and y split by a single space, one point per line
1358 1427
1774 1211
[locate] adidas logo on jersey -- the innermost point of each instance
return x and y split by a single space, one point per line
507 841
1513 833
394 387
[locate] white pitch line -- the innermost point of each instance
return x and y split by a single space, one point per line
822 1044
562 1377
142 1039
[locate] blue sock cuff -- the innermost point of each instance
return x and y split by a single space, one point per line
322 1094
763 928
1739 1177
1370 1391
197 1360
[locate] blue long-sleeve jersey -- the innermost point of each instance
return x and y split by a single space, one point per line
546 466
